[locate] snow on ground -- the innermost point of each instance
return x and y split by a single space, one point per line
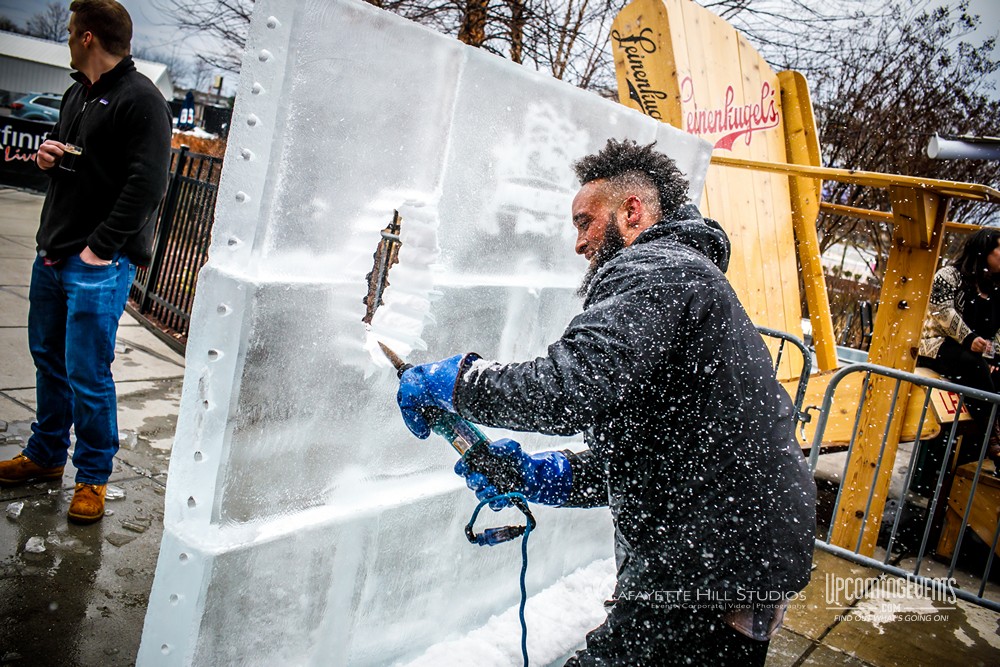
197 132
558 619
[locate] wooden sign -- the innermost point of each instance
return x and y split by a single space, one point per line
945 406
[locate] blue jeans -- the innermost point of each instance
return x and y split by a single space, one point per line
73 316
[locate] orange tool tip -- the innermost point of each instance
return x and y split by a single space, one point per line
394 358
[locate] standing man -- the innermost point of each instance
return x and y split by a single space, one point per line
108 158
690 437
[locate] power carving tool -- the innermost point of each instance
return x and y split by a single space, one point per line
473 446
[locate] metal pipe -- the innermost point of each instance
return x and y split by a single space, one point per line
940 148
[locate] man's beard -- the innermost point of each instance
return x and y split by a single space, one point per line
612 242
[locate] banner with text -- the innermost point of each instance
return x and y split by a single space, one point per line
19 141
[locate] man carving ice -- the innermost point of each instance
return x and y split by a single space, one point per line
690 436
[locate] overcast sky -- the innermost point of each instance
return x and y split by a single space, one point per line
153 30
149 25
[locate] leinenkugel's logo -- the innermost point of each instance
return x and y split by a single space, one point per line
735 120
732 119
636 48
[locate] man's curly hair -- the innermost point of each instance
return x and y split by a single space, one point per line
625 161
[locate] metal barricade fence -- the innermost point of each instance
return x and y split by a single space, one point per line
163 292
800 390
964 497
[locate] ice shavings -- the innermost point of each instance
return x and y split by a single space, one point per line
406 302
983 621
558 619
535 186
480 365
35 545
14 509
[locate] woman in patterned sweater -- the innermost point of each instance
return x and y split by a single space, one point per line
961 333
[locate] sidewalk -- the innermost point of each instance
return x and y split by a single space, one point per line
82 601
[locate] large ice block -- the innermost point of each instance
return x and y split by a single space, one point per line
304 524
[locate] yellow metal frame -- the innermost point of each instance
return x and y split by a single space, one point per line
973 191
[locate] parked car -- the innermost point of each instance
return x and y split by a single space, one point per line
37 106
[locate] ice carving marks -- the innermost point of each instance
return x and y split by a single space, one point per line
535 180
406 302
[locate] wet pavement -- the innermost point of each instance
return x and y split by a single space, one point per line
81 601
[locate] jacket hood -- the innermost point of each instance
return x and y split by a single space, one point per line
690 228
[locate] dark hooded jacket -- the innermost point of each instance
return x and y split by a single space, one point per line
109 202
690 436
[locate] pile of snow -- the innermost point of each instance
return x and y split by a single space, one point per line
558 619
197 132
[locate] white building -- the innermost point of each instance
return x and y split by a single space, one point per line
32 65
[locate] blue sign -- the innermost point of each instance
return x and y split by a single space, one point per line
186 120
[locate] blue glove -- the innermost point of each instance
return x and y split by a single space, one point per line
427 385
548 477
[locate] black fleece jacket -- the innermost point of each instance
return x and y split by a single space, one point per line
690 437
109 202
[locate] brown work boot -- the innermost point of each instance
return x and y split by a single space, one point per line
21 469
88 503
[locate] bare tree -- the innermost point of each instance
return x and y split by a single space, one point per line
50 24
223 22
886 87
472 28
7 24
200 75
795 34
181 70
568 38
910 75
571 42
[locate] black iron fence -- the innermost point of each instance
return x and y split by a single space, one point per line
163 292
